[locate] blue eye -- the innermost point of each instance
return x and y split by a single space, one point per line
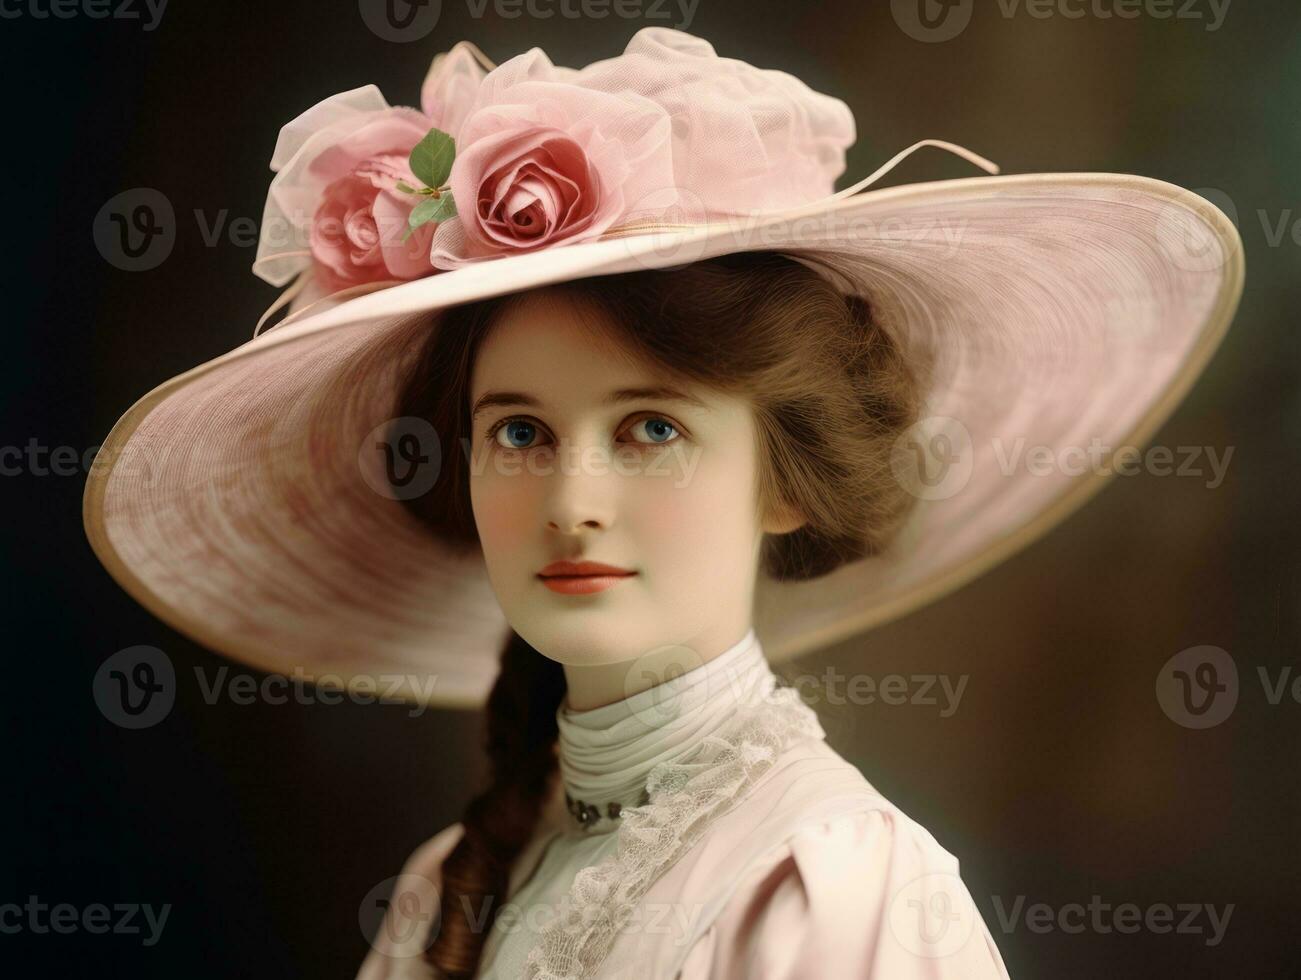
659 430
518 433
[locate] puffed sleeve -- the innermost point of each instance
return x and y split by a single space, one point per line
397 947
865 895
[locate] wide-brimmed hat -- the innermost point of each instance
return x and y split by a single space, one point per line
247 503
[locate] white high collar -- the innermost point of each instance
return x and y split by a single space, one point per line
606 753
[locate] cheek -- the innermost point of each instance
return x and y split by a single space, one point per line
503 513
706 517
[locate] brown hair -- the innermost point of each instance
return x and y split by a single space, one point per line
831 392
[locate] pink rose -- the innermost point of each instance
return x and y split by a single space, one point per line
550 155
333 205
356 233
541 163
536 186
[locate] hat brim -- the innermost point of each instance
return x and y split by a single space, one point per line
1060 315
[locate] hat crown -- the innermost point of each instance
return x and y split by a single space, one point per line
540 155
738 139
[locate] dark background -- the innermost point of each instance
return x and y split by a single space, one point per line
1059 777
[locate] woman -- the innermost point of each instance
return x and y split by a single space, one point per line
780 459
617 315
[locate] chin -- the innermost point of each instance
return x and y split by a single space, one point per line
579 638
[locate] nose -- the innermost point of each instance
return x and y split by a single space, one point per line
580 496
568 526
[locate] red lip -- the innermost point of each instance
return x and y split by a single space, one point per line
571 569
582 577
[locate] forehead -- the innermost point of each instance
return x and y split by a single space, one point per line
549 342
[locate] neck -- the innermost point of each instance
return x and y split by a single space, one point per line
607 753
593 686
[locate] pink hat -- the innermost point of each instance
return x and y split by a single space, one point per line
1063 314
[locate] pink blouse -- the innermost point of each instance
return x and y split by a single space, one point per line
802 869
830 902
823 905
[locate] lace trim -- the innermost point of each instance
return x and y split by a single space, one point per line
685 795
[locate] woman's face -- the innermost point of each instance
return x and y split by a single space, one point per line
575 458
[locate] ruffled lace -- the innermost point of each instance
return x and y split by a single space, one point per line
684 796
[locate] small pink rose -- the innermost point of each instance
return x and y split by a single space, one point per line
356 234
342 143
358 226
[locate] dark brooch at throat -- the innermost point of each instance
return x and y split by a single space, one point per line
588 814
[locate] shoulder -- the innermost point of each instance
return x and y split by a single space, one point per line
858 890
410 905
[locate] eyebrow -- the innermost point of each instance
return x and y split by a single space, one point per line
497 399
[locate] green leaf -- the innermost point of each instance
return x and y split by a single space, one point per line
433 209
423 212
446 209
431 160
